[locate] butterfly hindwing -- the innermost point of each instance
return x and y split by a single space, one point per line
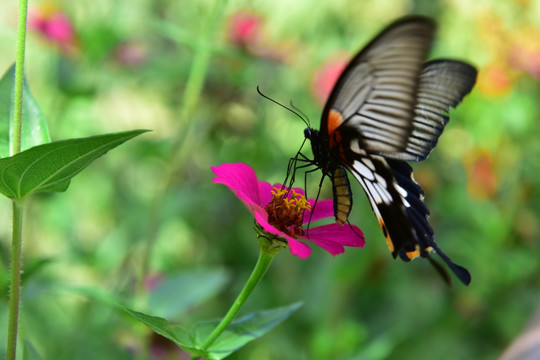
377 180
397 201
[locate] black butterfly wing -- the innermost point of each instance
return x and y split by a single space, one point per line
397 201
442 85
417 212
397 104
387 106
375 95
387 199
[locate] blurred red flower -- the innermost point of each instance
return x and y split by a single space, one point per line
283 213
481 177
245 30
54 26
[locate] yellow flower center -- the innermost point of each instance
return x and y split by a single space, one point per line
286 213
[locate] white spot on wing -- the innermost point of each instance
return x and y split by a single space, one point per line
368 163
363 170
401 190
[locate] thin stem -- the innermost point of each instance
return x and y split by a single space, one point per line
15 288
19 78
15 141
262 265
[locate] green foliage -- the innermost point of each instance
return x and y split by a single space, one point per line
34 127
177 294
174 333
241 331
30 352
50 167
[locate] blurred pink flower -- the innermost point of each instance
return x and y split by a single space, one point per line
526 59
283 213
54 26
131 53
326 76
153 281
245 29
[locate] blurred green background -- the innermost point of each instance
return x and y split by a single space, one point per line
136 64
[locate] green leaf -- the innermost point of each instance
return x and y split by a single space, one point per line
34 127
241 331
177 294
30 352
50 167
238 334
175 333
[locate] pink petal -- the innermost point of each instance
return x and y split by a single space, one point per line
241 180
265 192
296 247
334 237
321 210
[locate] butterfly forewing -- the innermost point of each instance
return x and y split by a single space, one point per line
442 85
375 96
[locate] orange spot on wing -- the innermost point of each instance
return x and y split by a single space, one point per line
390 244
385 231
413 254
334 120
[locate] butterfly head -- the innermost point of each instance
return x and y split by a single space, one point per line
310 133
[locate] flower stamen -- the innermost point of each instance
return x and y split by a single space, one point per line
286 211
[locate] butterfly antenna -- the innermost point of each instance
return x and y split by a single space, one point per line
294 111
304 116
292 166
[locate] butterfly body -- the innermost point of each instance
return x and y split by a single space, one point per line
388 107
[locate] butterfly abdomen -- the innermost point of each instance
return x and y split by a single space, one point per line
342 195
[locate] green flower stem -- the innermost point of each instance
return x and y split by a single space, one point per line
15 141
19 78
15 289
265 258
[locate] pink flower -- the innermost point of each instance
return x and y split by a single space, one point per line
283 213
54 26
245 30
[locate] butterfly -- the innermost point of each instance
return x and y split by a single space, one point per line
389 107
